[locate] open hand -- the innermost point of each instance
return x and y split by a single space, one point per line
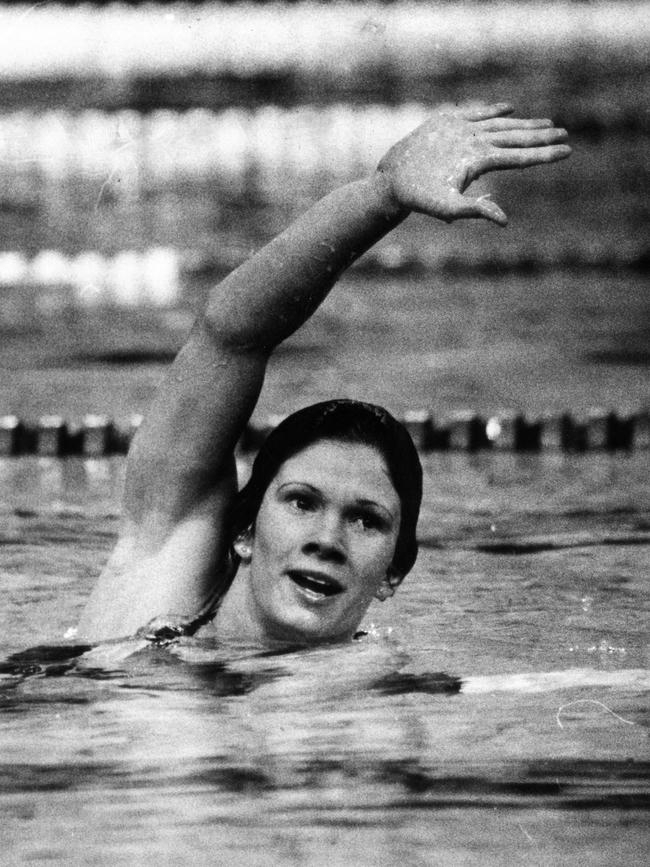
430 169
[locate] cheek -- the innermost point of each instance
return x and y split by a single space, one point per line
274 533
373 562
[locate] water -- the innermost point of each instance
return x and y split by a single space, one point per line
530 565
591 206
548 342
530 591
531 588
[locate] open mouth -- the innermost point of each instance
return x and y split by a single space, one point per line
319 585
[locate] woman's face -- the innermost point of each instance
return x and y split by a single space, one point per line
323 542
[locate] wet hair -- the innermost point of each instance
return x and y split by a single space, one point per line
347 421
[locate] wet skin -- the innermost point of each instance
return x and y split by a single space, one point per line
321 549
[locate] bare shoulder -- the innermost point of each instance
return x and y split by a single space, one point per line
161 567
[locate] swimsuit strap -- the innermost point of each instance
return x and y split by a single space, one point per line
168 628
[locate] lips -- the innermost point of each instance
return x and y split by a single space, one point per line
315 583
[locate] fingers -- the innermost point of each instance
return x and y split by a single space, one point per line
482 111
521 158
497 124
527 138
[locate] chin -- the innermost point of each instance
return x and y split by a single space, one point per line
308 631
290 614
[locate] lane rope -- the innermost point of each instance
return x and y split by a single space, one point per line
161 277
342 40
465 431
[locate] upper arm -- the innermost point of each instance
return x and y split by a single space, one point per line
184 449
171 554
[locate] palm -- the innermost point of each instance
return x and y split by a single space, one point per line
431 168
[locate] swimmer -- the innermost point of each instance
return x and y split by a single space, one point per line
327 521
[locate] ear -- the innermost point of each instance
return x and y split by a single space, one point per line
388 585
243 546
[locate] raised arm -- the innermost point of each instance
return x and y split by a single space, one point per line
171 553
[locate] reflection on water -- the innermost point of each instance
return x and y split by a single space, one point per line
173 760
529 594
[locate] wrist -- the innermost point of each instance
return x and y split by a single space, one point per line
385 198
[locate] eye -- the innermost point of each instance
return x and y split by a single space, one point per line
368 520
301 501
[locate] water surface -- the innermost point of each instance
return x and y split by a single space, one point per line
530 591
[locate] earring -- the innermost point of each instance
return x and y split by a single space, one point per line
242 548
384 592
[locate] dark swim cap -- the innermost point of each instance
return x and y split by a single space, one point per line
348 421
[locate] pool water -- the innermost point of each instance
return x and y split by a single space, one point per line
495 713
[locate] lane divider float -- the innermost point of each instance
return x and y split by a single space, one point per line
52 282
343 40
96 436
270 155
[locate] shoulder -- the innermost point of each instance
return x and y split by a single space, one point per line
150 574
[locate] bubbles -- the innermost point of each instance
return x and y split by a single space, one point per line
607 653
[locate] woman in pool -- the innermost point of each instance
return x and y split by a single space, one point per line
328 519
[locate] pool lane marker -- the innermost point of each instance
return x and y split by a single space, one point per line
462 431
53 283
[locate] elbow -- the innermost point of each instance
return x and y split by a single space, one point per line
232 335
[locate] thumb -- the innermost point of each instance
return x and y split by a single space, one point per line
484 207
458 206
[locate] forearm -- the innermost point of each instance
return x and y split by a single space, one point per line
272 294
183 451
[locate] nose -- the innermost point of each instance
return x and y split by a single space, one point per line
326 539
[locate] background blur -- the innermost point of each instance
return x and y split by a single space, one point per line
146 149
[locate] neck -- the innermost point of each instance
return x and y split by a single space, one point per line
235 622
